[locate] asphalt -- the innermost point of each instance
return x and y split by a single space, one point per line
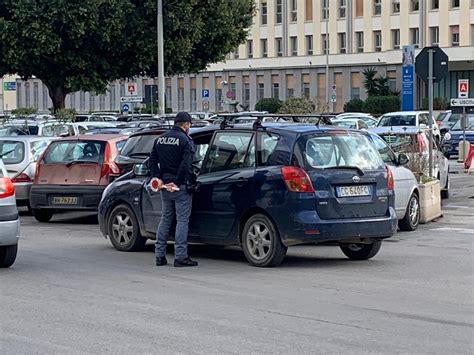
71 292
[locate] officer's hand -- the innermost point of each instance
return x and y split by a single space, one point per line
171 187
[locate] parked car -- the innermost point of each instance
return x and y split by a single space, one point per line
407 194
451 139
9 220
415 144
268 189
20 155
19 128
418 119
446 120
350 123
72 174
369 120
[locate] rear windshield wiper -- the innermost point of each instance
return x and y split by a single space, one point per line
81 162
347 167
5 154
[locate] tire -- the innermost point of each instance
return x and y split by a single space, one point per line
8 255
261 242
43 216
123 229
445 190
358 251
411 220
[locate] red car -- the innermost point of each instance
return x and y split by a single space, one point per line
73 173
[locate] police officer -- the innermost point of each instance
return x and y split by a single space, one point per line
171 162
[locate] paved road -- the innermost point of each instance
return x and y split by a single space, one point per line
71 292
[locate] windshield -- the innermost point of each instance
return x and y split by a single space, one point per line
12 152
139 145
77 151
401 143
397 120
341 149
470 124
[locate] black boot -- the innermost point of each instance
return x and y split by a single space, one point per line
161 261
186 262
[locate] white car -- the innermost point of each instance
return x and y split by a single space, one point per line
350 123
407 203
369 120
418 119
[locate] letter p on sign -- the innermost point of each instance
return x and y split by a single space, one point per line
463 88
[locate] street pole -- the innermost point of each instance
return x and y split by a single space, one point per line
464 124
327 60
151 98
161 64
430 107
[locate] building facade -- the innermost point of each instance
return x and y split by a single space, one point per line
310 48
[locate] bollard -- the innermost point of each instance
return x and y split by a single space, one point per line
463 150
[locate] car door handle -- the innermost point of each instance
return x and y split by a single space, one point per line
241 181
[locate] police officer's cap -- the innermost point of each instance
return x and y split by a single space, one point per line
183 117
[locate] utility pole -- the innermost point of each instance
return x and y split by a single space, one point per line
430 106
161 64
327 59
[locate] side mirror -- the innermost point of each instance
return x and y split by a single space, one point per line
403 159
141 170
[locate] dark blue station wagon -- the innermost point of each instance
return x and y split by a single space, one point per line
267 188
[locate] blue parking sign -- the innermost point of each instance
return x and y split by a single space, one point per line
125 108
205 93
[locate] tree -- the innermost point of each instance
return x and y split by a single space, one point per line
72 47
297 106
370 81
269 104
354 105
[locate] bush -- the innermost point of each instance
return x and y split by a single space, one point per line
24 111
378 105
297 106
354 105
272 105
439 104
66 114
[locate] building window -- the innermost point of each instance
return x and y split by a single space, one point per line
308 8
122 90
415 37
263 13
279 11
264 47
342 8
414 5
434 4
359 8
236 53
91 102
472 35
193 98
250 48
360 41
102 102
309 45
294 11
395 6
113 98
36 95
434 36
233 89
294 46
396 39
454 3
454 36
325 44
342 42
82 101
279 47
325 9
377 41
260 91
219 99
246 93
377 7
306 90
275 90
169 97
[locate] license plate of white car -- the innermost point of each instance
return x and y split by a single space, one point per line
351 191
65 200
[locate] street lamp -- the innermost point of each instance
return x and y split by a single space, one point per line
161 64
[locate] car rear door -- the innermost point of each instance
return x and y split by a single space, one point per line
348 175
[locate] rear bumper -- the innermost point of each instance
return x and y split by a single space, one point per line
9 232
22 191
307 227
88 197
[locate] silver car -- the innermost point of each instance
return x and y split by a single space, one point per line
9 220
20 154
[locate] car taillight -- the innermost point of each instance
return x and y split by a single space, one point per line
109 168
6 187
296 179
21 178
421 142
390 182
439 122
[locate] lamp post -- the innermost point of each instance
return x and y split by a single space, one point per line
327 59
161 65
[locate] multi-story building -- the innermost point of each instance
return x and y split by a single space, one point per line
304 47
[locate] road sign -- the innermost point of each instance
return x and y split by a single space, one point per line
9 86
205 93
132 89
440 64
462 102
125 108
408 83
333 97
334 87
463 88
130 99
230 95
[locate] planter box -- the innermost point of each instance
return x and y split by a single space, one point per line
430 201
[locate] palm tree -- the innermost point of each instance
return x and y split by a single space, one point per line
370 81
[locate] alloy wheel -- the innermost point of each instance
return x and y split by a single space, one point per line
122 228
259 240
414 211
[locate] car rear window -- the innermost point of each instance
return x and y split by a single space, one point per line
337 149
470 124
139 145
120 145
18 131
400 143
12 152
345 124
398 120
37 148
75 151
57 130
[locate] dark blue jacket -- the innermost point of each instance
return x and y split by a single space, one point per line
172 157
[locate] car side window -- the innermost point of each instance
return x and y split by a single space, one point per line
267 144
385 152
230 150
424 119
201 144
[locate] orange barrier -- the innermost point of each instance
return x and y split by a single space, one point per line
469 162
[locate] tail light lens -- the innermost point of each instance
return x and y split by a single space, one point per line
296 179
421 142
22 178
390 182
6 187
109 168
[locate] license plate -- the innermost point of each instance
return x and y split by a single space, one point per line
65 200
349 191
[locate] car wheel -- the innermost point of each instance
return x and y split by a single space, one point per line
359 251
445 190
8 255
261 242
124 232
43 216
412 216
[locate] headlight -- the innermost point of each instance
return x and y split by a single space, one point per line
447 136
